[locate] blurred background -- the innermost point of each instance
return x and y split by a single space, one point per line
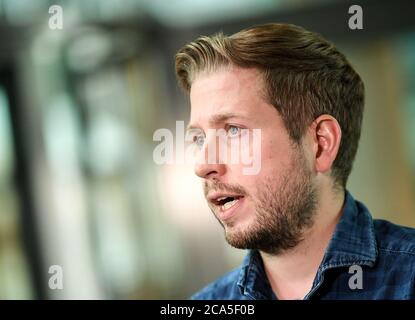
78 109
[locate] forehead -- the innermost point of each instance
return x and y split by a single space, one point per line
230 89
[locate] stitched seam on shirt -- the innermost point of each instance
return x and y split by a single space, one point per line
397 251
344 263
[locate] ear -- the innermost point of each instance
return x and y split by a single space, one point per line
326 134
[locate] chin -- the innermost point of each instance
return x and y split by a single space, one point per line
236 229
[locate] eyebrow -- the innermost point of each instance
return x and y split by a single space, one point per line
217 118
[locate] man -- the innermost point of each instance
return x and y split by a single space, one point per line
307 236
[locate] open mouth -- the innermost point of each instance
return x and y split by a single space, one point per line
226 202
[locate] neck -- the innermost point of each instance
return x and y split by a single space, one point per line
291 273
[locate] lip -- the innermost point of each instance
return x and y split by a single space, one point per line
216 195
230 212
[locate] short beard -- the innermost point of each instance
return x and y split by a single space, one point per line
283 212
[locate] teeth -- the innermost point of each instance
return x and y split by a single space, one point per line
221 198
229 204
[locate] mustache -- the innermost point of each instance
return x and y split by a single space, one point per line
209 186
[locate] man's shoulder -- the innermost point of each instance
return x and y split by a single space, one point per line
223 288
394 239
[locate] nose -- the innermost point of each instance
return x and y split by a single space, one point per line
208 165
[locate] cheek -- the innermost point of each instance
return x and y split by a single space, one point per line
244 154
276 151
256 161
272 157
237 177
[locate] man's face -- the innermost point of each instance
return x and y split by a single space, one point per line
270 210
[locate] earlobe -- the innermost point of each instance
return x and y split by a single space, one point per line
327 139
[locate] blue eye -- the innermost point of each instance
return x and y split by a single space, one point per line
199 140
233 131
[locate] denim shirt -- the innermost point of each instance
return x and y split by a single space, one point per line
382 254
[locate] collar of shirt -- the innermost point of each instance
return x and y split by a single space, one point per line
353 243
